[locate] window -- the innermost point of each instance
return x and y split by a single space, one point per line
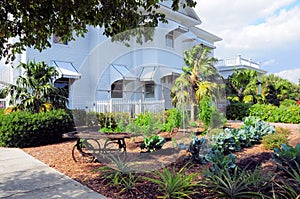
63 84
170 39
117 89
59 40
149 89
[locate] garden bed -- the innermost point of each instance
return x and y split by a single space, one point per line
59 157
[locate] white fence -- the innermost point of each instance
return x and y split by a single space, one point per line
133 107
3 103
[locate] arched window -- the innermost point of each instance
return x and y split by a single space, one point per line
149 89
117 89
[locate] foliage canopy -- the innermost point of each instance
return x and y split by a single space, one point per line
34 21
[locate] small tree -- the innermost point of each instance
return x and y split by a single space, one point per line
34 91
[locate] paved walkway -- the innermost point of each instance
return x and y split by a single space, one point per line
22 176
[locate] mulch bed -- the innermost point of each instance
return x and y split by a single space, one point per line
59 157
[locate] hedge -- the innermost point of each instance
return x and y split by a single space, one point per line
237 111
270 113
23 129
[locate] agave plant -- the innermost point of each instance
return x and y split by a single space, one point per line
235 185
174 184
120 173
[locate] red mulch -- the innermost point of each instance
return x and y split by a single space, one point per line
59 157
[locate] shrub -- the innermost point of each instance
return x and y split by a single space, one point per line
174 119
23 129
272 113
206 110
274 140
237 111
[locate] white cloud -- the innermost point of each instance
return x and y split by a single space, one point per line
266 31
291 75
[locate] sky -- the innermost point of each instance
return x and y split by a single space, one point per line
266 31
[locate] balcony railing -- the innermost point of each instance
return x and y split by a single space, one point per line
237 61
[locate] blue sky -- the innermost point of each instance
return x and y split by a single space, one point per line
266 31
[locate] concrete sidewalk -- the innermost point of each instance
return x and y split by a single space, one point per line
22 176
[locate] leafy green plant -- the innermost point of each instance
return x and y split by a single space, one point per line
199 148
226 142
174 184
235 184
206 110
153 143
220 161
174 119
286 155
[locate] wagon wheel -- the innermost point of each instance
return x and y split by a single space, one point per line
114 148
85 150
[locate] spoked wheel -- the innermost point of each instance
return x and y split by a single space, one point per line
85 150
114 147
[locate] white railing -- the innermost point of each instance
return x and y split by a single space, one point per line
3 103
133 107
237 61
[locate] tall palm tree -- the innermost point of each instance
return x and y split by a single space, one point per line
35 89
197 75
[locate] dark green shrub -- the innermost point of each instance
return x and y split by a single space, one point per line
237 111
23 129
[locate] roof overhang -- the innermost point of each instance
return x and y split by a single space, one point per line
66 70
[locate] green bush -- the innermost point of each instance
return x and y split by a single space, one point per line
174 119
23 129
274 140
237 111
272 113
288 102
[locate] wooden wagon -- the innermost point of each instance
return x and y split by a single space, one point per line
91 145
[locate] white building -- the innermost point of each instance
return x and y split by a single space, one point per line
100 73
226 66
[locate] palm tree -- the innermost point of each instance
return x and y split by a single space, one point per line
35 89
197 76
242 86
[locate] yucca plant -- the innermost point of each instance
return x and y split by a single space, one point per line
120 173
174 184
236 185
289 188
